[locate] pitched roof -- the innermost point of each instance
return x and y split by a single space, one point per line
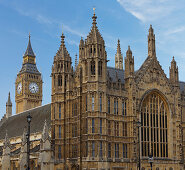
29 68
15 124
182 86
94 34
115 74
63 52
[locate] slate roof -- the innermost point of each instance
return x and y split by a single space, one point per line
15 124
29 50
29 68
115 73
182 86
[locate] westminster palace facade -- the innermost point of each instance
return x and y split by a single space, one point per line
100 117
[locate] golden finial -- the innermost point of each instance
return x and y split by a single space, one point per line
94 10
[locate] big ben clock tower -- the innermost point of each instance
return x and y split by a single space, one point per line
28 85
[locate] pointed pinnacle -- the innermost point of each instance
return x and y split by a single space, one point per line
29 50
129 50
62 39
94 18
45 134
76 61
9 100
151 30
118 47
6 140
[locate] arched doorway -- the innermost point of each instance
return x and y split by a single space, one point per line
154 125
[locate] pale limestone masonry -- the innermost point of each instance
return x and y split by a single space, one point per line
93 120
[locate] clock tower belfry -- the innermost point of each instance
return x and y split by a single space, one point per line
28 85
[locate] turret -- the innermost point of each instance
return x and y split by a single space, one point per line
61 69
95 57
8 107
129 64
174 75
118 57
81 50
62 76
151 43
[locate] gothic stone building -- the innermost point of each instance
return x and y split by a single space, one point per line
100 117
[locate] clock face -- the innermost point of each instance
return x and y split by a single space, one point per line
33 87
19 88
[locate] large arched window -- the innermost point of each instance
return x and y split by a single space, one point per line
154 131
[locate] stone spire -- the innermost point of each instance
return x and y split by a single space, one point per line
45 154
6 140
81 42
81 49
45 132
23 154
29 50
24 140
94 35
174 75
8 107
118 57
151 43
129 64
76 61
62 52
6 153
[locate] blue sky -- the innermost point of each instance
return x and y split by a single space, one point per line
124 19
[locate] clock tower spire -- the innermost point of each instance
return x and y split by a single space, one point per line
28 93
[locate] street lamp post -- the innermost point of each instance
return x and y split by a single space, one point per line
150 160
139 162
28 141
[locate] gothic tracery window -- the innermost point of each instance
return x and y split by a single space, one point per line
59 80
99 68
92 67
154 133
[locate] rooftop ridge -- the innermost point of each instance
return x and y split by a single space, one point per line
30 110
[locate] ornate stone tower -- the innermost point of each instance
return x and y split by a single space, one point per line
118 57
61 86
174 75
151 43
92 55
28 85
8 107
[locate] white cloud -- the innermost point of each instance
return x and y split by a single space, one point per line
48 21
175 30
43 20
148 10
